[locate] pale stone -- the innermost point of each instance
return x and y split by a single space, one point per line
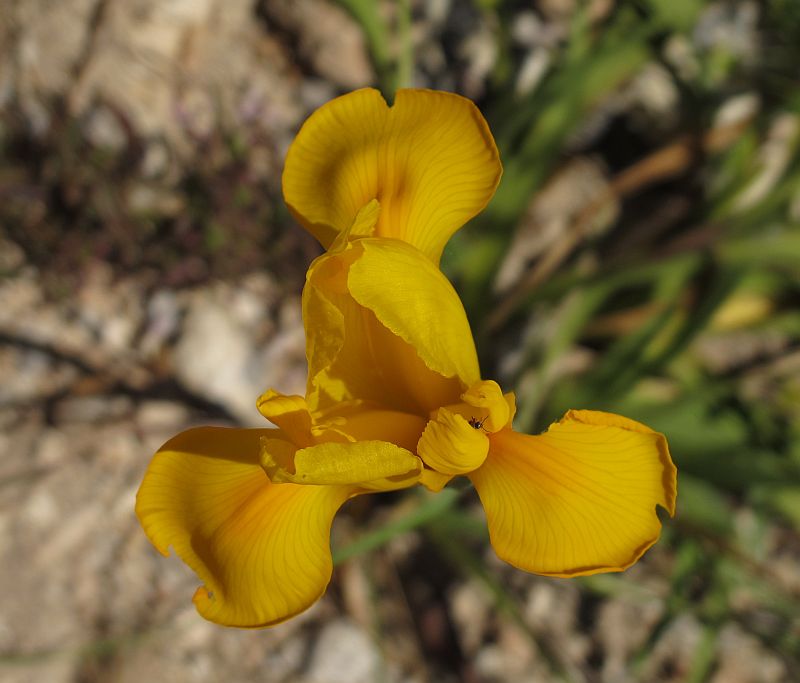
344 653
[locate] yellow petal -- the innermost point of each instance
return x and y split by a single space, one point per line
578 499
367 465
451 445
324 324
413 299
262 550
488 396
363 225
488 411
430 160
434 481
290 413
408 349
403 429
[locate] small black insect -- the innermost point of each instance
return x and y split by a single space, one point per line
475 423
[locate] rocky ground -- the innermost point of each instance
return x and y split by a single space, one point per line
126 316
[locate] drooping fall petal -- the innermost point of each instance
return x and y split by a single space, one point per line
261 549
580 498
430 160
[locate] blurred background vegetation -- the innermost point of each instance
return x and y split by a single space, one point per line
641 256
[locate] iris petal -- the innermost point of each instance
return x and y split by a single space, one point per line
578 499
451 446
368 465
290 413
419 305
430 160
262 550
434 481
367 424
487 395
384 326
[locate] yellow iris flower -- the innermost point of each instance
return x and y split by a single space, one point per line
394 394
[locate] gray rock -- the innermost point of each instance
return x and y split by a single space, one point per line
344 654
229 352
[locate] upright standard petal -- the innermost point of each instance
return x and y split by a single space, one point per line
261 549
578 499
414 300
430 160
384 326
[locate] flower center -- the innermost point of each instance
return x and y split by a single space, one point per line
456 439
486 397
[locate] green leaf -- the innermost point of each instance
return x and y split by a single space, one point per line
702 505
431 507
782 498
